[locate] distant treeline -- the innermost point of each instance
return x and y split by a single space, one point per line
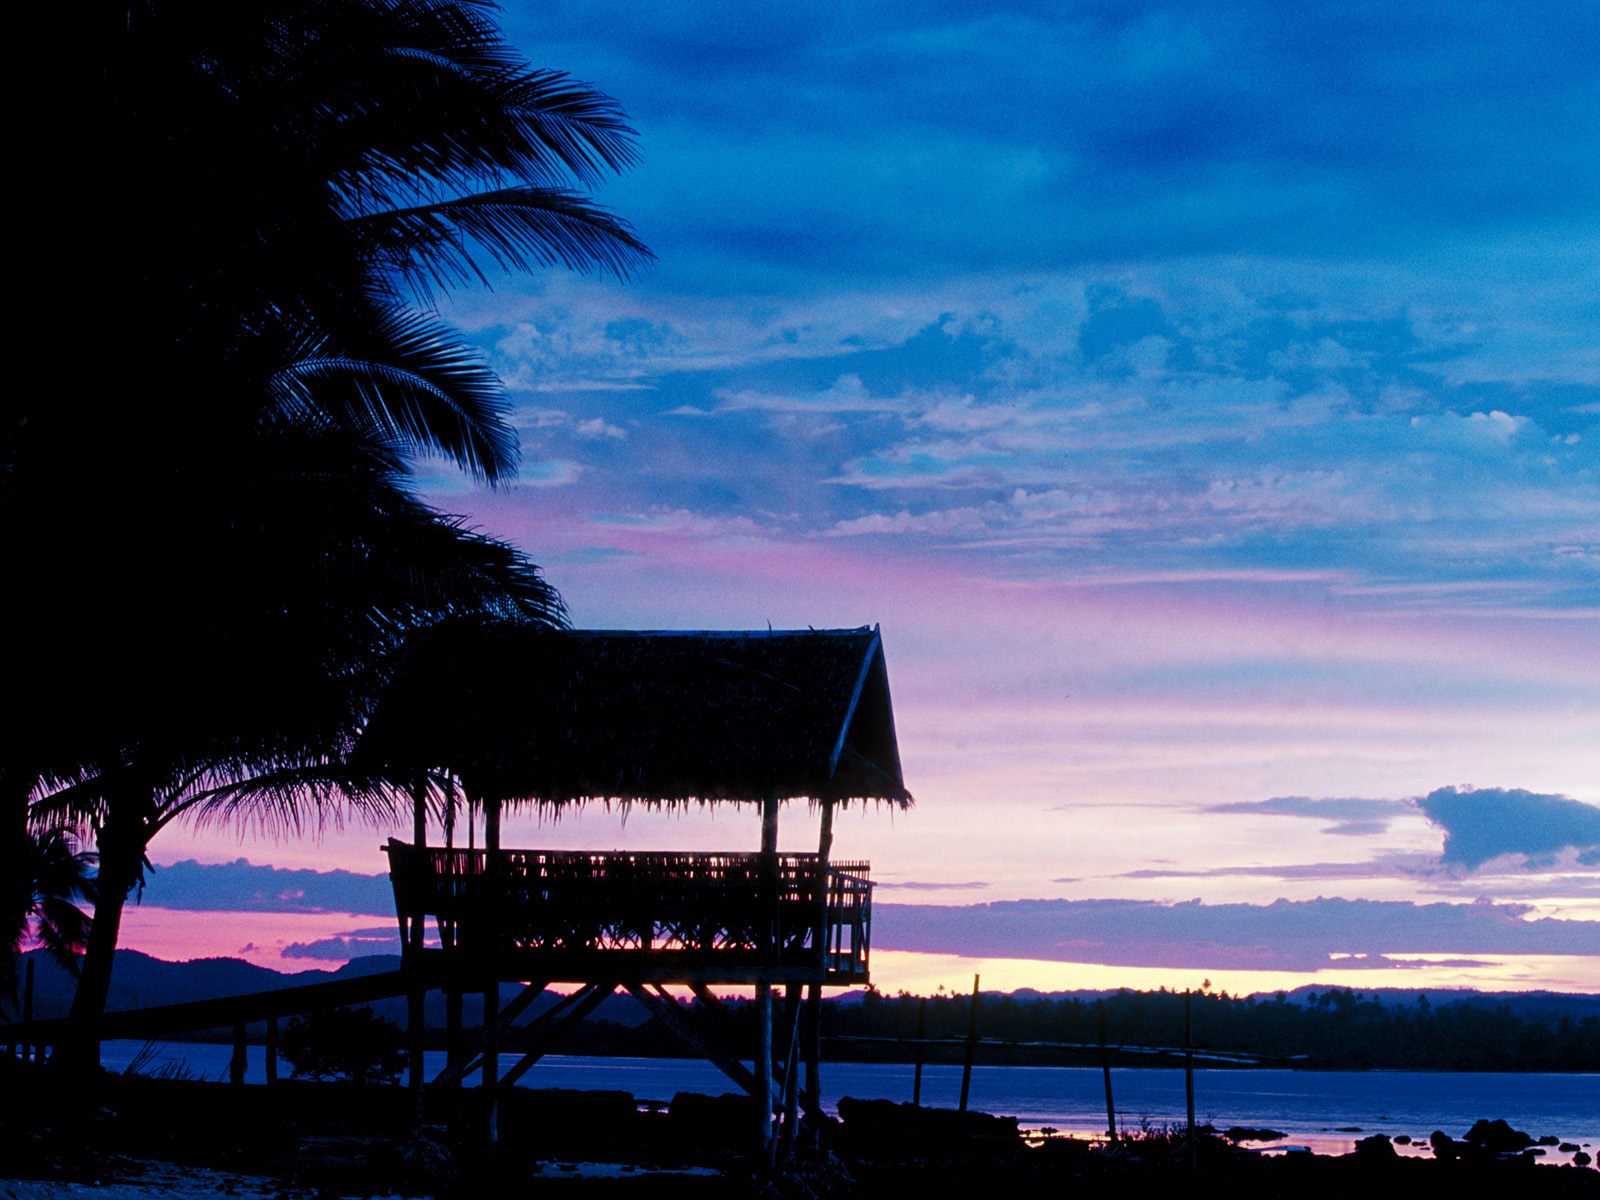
1337 1028
1332 1029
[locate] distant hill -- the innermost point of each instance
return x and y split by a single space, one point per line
1544 1006
140 981
1422 1029
1527 1005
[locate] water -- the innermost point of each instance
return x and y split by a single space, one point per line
1327 1110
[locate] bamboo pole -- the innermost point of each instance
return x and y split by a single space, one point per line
455 1052
236 1065
1188 1070
1105 1071
769 947
27 1009
491 983
922 1032
272 1051
813 1031
763 1065
969 1046
412 953
794 1008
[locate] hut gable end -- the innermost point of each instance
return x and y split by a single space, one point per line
729 716
648 716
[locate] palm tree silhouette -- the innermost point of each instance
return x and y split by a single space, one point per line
41 904
211 518
328 565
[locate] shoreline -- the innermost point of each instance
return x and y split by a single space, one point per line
137 1137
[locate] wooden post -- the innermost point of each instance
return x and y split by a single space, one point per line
922 1032
236 1064
1188 1070
1105 1071
27 1003
763 1064
813 1039
769 946
793 1008
455 1052
272 1051
491 983
412 953
971 1043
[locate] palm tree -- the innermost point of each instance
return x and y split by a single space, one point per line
282 172
329 565
219 560
286 172
41 904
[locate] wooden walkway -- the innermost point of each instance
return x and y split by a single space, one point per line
218 1013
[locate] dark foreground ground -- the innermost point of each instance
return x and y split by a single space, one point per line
305 1140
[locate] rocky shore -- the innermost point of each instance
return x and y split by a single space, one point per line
138 1138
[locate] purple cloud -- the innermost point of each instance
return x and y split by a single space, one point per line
919 885
355 943
1481 824
243 886
1352 816
1383 866
1286 935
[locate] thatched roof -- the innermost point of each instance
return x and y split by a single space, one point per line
651 717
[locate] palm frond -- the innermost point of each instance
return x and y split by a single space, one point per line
518 228
541 125
52 876
404 379
293 800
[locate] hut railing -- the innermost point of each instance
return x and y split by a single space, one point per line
701 905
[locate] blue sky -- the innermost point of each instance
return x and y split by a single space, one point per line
1204 397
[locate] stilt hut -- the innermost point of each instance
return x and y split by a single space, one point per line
520 716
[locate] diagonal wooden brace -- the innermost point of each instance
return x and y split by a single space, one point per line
453 1075
551 1034
704 1039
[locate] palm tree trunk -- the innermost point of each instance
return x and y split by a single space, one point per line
122 846
14 895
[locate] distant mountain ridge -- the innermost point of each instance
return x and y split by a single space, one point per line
1538 1005
140 980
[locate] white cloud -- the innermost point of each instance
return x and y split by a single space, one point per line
598 429
549 473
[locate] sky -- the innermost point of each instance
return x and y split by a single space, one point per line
1203 398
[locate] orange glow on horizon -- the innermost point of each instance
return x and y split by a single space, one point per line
260 938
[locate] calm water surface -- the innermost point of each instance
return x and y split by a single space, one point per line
1322 1109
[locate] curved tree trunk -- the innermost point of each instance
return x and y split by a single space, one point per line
122 844
15 892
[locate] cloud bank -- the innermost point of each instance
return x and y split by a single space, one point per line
1286 935
243 886
1483 824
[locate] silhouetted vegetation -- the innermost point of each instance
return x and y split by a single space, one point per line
1335 1028
345 1043
208 499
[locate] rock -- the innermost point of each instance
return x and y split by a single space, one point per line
1403 1139
1581 1159
1549 1139
1251 1133
1497 1137
1568 1147
1445 1147
1376 1148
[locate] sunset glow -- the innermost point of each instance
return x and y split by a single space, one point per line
1226 484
